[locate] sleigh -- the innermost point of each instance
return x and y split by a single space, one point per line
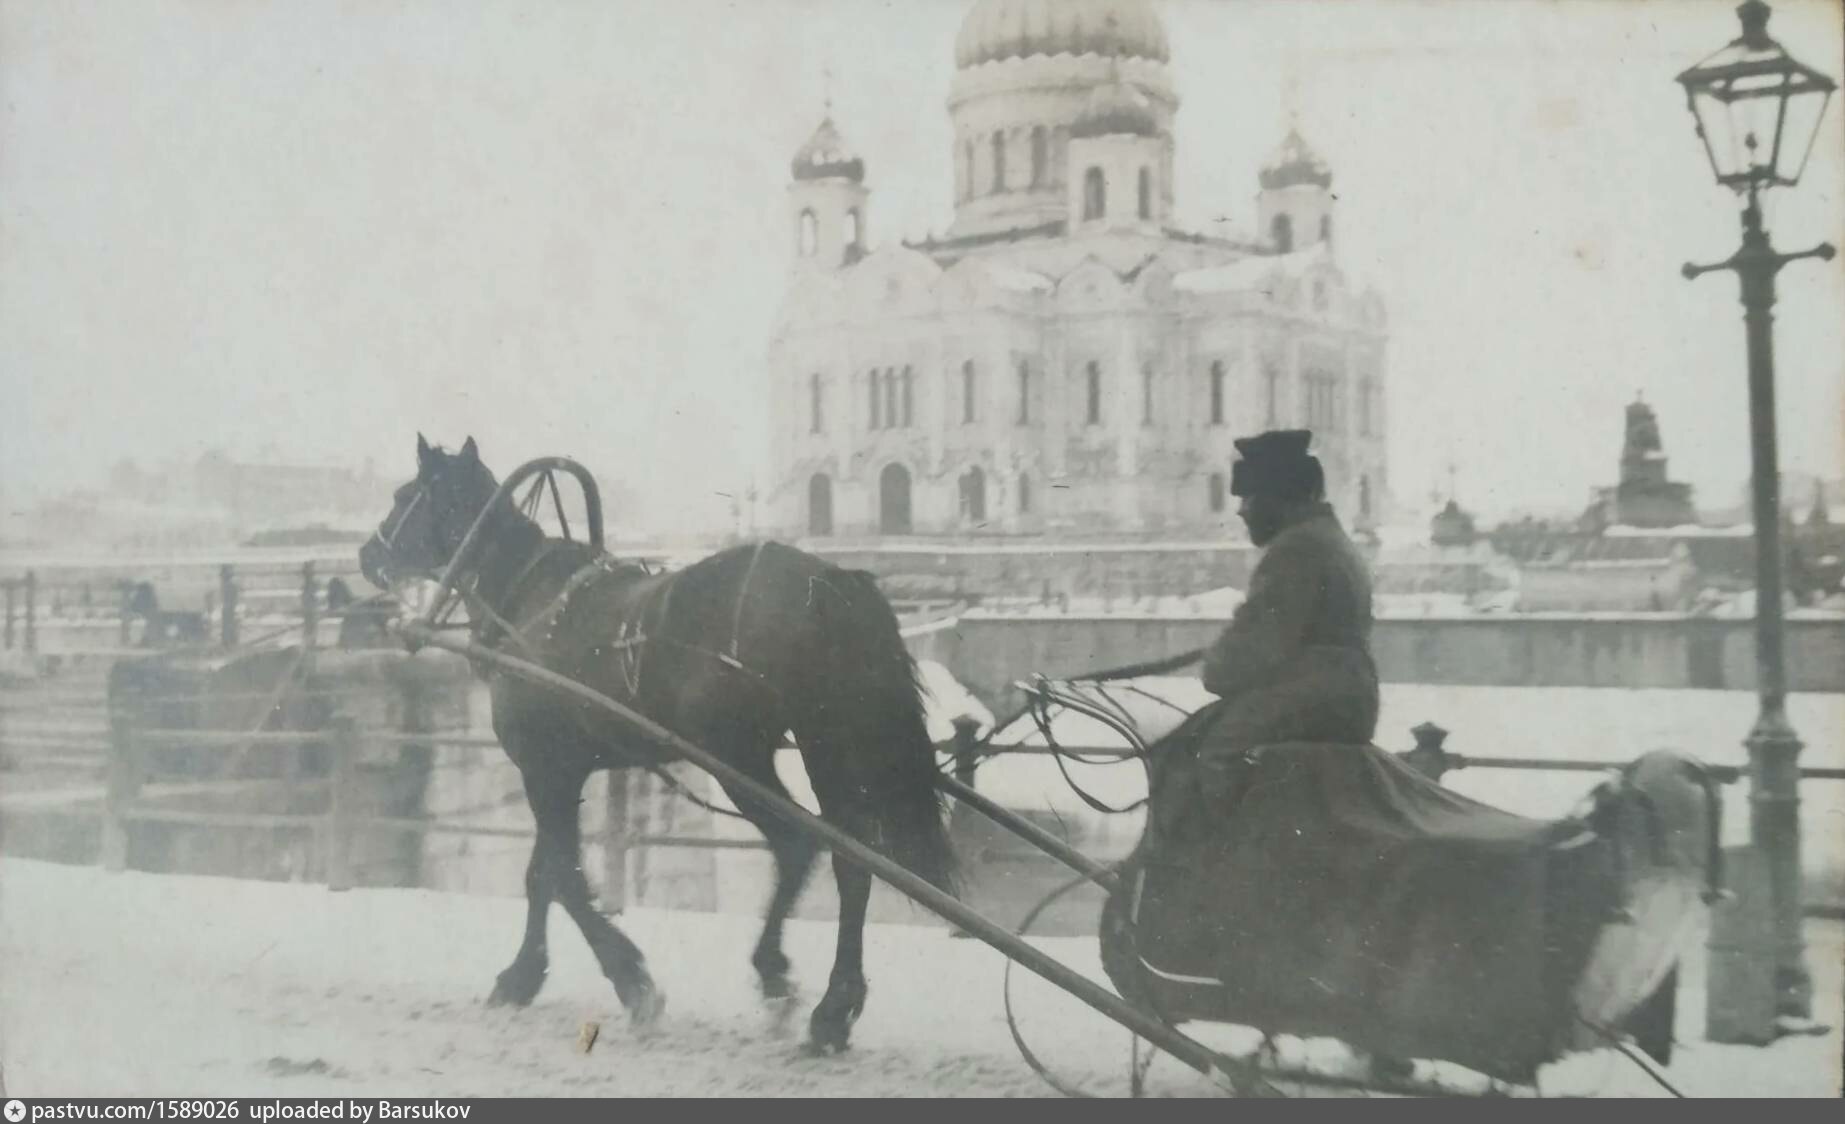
1335 891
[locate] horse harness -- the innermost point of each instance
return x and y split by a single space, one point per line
632 635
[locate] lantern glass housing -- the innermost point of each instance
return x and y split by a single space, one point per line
1758 109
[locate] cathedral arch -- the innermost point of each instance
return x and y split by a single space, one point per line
853 234
894 500
1217 392
809 234
1146 194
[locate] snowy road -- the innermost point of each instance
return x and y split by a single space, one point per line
149 985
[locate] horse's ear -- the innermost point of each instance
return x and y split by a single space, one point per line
422 449
471 451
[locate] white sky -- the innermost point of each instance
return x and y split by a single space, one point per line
307 230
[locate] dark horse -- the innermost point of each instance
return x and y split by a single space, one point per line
732 653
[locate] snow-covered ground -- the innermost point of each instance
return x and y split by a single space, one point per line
137 984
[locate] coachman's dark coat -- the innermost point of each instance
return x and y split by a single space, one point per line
1295 664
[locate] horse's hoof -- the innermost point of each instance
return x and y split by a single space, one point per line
645 1009
780 1010
516 987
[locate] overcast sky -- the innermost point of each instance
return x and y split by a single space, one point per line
306 230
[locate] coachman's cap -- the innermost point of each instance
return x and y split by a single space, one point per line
1276 463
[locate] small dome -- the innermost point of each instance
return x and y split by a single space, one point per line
826 155
1015 29
1295 164
1116 108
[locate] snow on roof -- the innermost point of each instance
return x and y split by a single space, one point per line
1250 272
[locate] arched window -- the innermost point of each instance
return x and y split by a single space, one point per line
852 229
1095 195
1216 489
816 421
967 392
968 179
1024 415
1326 229
890 398
1146 394
999 163
820 505
1040 155
1094 379
1024 494
1146 194
1217 392
974 496
894 500
874 391
909 397
1282 231
810 234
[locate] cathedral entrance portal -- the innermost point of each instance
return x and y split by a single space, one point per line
894 500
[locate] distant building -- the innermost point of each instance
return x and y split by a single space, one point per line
1645 496
1452 527
1065 359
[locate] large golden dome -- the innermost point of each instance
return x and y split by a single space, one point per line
1007 29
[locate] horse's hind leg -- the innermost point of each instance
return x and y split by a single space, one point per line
794 859
831 1023
620 959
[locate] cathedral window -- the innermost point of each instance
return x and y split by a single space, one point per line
1217 392
1094 379
1146 194
819 505
816 421
909 397
967 392
810 234
1364 497
967 170
1024 415
1095 195
1040 153
873 391
890 398
1024 495
999 163
1215 487
853 233
1146 394
1281 230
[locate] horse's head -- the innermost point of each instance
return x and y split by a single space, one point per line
429 516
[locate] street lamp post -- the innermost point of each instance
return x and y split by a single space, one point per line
1753 103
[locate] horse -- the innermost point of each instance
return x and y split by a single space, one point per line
164 628
732 653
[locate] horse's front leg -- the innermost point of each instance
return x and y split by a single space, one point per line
619 957
519 983
839 1008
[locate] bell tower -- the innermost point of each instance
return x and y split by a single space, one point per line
827 200
1295 205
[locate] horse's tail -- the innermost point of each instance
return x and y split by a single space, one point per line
870 695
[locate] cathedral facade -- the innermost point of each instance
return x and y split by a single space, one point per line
1065 359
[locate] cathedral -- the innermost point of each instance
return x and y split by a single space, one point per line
1065 359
